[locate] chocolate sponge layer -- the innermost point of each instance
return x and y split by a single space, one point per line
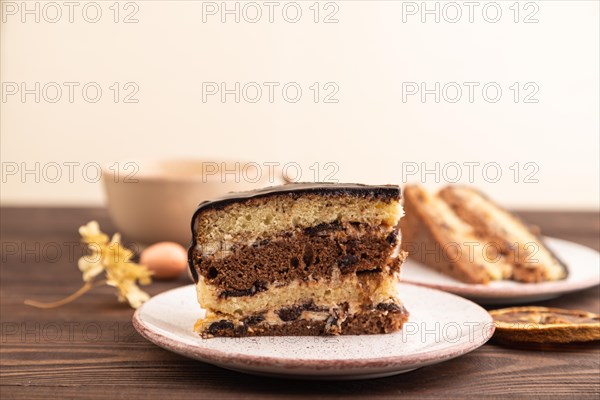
315 252
374 321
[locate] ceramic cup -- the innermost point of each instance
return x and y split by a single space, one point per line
153 201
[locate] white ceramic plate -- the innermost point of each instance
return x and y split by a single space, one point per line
441 326
584 272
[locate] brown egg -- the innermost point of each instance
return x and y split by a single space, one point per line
167 260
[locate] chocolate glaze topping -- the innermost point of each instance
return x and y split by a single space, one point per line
294 190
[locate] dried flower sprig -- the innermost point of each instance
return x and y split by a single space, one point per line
110 257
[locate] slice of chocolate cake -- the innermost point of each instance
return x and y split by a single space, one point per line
462 233
299 259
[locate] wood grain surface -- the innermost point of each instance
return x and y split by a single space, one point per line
89 349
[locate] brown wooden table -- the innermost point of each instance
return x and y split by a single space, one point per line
89 349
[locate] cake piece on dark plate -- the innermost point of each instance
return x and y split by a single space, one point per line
299 259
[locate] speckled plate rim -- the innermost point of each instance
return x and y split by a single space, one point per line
381 366
511 290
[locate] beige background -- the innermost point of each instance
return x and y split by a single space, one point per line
369 133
